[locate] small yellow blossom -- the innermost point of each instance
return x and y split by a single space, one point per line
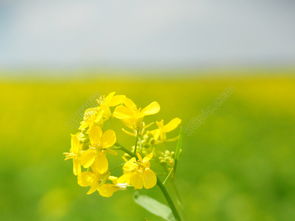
74 153
138 174
159 134
88 118
101 113
131 115
97 182
111 100
99 142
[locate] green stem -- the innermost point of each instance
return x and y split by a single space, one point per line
168 199
136 142
125 149
160 185
168 176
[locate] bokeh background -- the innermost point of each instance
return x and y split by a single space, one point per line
225 67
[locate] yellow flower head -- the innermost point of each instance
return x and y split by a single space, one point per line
159 134
138 174
97 182
101 113
131 115
111 100
74 153
99 142
88 118
90 145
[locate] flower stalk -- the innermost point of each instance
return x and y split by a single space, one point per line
168 199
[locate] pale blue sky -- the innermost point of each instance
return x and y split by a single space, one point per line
146 33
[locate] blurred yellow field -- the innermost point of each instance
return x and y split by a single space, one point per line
237 164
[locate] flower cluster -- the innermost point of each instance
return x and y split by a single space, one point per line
92 144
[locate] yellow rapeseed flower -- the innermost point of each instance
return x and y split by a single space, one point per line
131 115
99 142
101 113
111 100
138 174
97 182
159 134
90 145
88 118
74 153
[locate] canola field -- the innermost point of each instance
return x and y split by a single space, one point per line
238 160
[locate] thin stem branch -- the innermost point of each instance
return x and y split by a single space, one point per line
168 199
168 176
136 143
121 147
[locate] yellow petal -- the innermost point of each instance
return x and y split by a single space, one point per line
139 156
100 164
99 117
174 123
125 178
130 165
92 189
87 158
121 112
108 139
107 190
131 123
109 97
129 103
95 134
87 179
89 113
147 158
151 109
116 100
156 133
89 117
68 155
149 179
128 132
83 125
114 179
136 180
75 143
76 167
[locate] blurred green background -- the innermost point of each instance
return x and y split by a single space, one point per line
237 164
